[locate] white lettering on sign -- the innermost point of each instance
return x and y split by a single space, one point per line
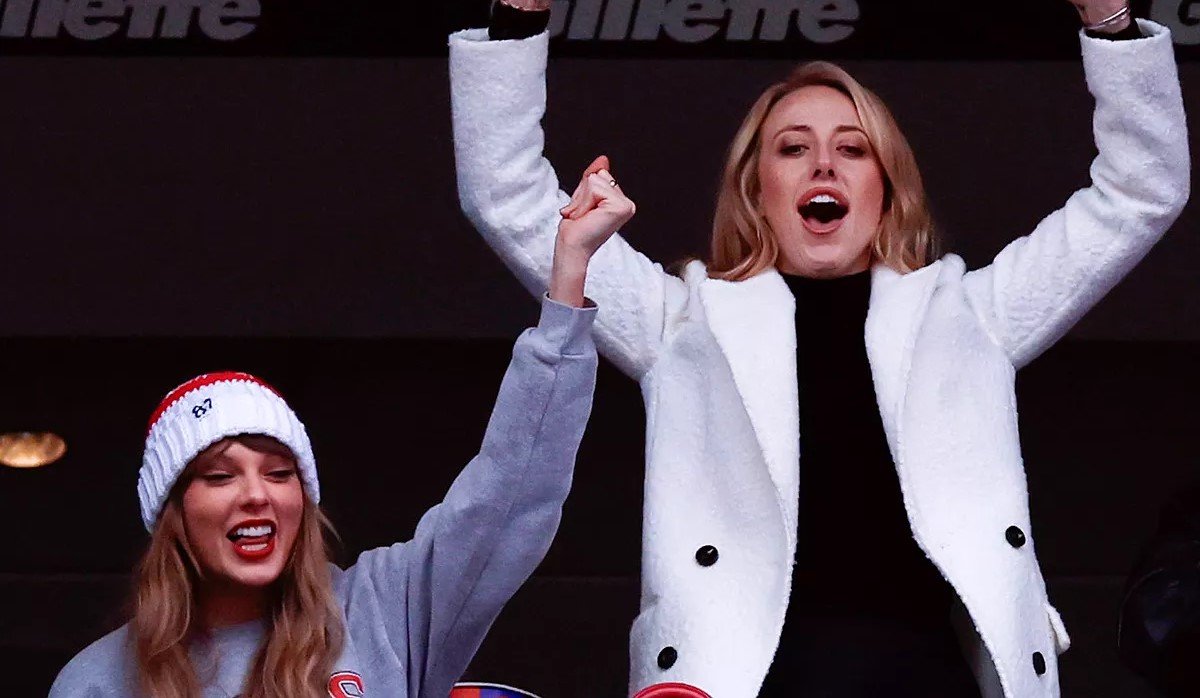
696 21
1182 17
91 20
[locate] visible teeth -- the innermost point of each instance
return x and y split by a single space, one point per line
822 199
254 548
254 531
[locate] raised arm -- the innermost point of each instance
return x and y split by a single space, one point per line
1042 284
511 193
436 596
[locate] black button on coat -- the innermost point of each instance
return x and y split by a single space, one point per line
1039 663
667 658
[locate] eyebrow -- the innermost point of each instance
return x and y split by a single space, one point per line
804 128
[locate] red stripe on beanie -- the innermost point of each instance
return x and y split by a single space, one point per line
199 382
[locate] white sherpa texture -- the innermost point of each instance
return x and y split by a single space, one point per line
184 430
716 364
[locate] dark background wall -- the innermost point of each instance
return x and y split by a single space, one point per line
291 211
316 197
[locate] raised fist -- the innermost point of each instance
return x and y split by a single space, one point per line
597 210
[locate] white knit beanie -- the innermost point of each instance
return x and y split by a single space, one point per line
205 410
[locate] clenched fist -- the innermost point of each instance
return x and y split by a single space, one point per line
597 210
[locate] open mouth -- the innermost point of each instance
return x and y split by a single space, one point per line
823 210
253 540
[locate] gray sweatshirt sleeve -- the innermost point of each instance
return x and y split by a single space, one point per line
435 597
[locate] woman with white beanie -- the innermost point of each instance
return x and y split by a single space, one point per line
235 595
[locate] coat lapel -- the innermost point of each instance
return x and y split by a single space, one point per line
754 322
897 309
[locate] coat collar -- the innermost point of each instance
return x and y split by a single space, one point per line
754 322
895 315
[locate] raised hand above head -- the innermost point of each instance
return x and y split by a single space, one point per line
528 5
1104 16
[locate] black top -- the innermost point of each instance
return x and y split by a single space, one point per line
855 553
865 599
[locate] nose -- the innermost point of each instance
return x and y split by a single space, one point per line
254 493
824 165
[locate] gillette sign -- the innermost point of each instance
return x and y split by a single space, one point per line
696 21
682 21
92 20
641 29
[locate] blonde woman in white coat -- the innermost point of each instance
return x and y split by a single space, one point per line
821 185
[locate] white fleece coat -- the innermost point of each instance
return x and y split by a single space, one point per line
716 364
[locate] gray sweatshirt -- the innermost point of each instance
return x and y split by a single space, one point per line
416 612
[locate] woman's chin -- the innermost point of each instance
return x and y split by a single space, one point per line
263 577
255 577
829 265
827 259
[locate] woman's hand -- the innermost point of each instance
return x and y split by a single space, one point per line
1092 12
528 5
597 210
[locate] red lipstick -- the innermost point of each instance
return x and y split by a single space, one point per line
254 549
253 540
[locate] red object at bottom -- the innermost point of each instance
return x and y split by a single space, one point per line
487 690
671 690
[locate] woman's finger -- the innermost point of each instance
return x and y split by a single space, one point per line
608 178
604 184
611 196
590 197
576 198
565 211
600 163
610 189
596 190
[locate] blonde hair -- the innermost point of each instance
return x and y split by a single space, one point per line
743 244
304 630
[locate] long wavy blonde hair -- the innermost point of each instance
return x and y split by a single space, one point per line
304 629
742 241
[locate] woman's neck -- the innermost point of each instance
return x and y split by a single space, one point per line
222 606
814 271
